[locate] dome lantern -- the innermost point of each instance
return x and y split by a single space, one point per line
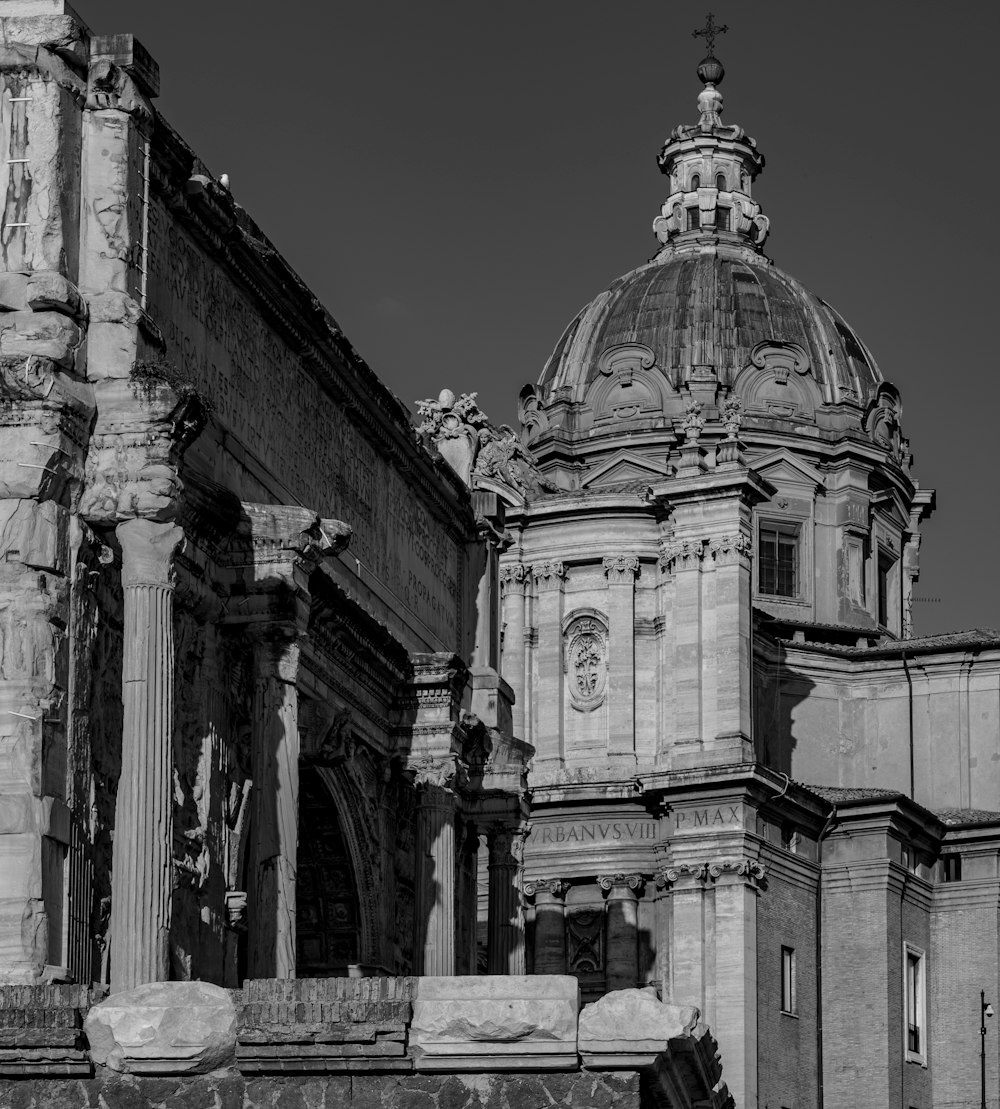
711 168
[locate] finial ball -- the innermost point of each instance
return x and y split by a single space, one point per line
710 71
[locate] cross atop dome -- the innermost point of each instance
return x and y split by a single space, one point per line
709 32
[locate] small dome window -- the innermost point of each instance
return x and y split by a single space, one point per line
720 181
695 181
693 219
721 219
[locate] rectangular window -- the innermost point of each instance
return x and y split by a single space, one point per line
914 1000
693 219
788 980
951 868
778 561
885 567
722 219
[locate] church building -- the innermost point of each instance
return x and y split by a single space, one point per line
347 759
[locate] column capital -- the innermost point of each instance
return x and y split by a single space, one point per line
690 874
514 577
622 885
148 550
729 549
749 871
621 569
554 887
684 554
548 573
506 844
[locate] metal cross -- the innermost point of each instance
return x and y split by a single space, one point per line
709 31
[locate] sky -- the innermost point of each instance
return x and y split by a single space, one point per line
455 180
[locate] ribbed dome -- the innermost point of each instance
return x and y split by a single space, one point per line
711 309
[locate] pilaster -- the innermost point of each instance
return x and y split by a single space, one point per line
621 571
514 578
547 738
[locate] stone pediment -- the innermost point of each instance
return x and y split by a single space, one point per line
782 467
622 467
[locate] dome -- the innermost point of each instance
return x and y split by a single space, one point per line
711 309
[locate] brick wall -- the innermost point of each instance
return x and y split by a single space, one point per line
786 1045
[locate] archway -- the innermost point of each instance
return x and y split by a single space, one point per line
327 925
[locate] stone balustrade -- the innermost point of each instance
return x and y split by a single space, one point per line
484 1041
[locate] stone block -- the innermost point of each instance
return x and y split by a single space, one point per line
630 1028
47 291
164 1028
495 1022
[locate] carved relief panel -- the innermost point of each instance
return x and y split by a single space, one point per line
585 940
585 659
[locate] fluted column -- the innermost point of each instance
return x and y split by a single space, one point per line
142 851
623 929
434 949
621 571
513 580
550 924
505 922
274 759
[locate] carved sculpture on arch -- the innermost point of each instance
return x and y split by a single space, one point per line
778 382
629 385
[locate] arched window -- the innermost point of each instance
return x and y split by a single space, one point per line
695 182
720 181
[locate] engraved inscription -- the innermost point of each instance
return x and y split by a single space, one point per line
597 831
688 820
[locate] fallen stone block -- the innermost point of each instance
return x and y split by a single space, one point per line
495 1022
164 1028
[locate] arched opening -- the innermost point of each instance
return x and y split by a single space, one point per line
720 182
326 913
695 181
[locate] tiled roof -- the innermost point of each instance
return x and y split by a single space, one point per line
967 816
851 793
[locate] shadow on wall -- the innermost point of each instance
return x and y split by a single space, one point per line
778 690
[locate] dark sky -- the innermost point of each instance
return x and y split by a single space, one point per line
454 180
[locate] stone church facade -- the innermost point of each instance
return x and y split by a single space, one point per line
420 762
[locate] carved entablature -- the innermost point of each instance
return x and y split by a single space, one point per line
585 659
629 385
882 421
778 382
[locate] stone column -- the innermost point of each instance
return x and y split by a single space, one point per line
143 848
513 579
683 559
737 881
550 924
622 959
505 923
274 758
434 896
621 571
547 714
731 732
686 971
